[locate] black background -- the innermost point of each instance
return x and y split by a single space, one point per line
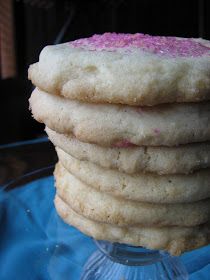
38 23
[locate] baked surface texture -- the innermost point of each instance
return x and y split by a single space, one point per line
181 159
106 208
152 69
118 125
145 187
175 240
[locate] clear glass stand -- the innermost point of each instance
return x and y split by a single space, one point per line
114 261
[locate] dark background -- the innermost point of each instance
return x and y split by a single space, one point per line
38 23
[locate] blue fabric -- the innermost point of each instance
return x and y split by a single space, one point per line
36 244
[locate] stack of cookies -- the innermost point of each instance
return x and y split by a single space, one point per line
130 118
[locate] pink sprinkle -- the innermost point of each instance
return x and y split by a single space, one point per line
156 131
123 144
161 45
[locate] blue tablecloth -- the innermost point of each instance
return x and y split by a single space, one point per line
36 244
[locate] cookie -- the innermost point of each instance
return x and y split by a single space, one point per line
133 69
181 159
103 207
122 126
146 187
175 240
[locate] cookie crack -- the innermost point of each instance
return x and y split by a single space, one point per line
147 158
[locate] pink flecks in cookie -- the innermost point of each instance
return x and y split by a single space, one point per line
123 144
156 131
161 45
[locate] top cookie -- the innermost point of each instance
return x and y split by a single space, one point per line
133 69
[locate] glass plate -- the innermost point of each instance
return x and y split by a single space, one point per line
35 243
